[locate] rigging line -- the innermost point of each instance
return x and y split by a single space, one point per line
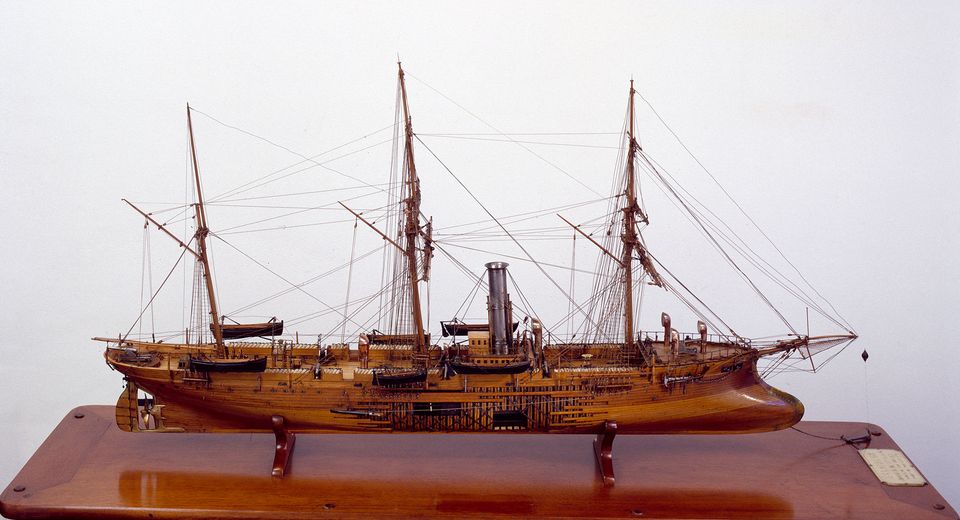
491 230
174 206
392 218
302 284
509 218
527 238
573 276
470 295
519 142
366 324
750 282
742 211
323 165
176 218
362 301
691 293
316 314
515 241
278 275
779 282
296 194
720 249
282 147
840 351
297 212
523 298
780 365
754 260
818 436
700 314
473 297
216 277
597 226
183 286
153 323
444 134
456 262
608 307
363 326
596 295
319 314
470 274
494 233
642 282
289 226
156 293
512 257
143 268
478 118
346 300
263 206
772 338
743 248
182 213
179 208
553 231
163 334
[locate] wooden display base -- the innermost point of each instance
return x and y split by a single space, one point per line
89 468
283 451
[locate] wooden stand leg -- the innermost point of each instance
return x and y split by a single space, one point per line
285 443
603 449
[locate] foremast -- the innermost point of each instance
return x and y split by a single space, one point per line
632 214
201 238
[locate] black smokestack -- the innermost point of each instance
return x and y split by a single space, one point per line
499 309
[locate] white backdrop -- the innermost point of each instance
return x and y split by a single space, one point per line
835 126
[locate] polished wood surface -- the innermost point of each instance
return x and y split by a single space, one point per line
89 468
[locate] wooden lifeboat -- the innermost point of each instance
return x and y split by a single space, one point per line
229 365
251 330
465 367
399 377
459 328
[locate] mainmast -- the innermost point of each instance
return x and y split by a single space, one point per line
411 212
629 236
201 238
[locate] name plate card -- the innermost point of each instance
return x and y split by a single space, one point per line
892 467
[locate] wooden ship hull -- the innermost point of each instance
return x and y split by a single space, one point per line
724 396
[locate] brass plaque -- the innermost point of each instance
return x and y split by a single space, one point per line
892 467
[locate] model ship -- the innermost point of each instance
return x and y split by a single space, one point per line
504 375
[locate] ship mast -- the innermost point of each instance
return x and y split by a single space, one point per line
629 236
201 238
411 212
